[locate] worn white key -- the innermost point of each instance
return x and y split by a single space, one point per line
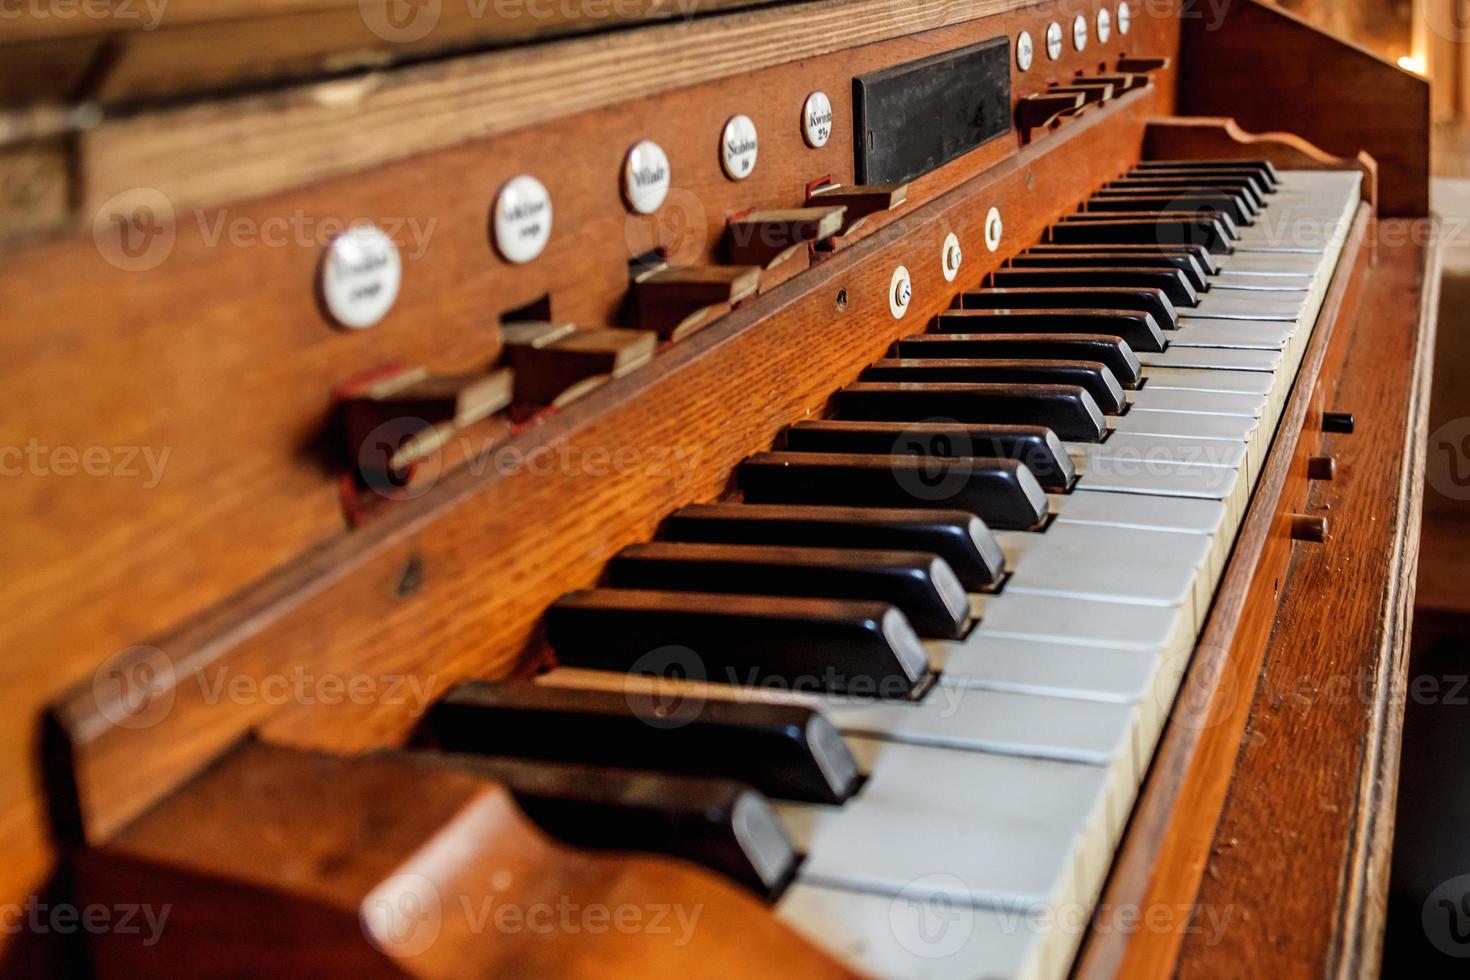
1113 564
1214 358
1185 515
1092 731
1243 334
1131 447
1203 379
984 830
918 937
1241 264
1241 305
1026 666
1232 428
1276 283
1087 622
1230 487
1196 402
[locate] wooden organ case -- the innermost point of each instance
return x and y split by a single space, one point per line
410 435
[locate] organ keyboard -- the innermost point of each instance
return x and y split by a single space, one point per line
939 653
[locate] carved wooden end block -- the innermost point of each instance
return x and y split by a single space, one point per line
281 862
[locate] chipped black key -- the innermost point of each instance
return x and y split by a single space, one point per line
1102 258
1127 228
1068 410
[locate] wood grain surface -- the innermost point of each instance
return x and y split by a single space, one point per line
1272 71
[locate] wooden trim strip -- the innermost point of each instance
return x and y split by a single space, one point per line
1366 875
1173 821
206 155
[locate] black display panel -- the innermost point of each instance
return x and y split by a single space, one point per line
913 118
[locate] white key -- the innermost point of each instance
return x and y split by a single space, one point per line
1241 305
1086 622
1244 334
1214 358
957 715
1153 568
1067 670
1129 447
1282 283
1196 402
1198 379
1240 264
1248 431
1192 515
985 830
913 937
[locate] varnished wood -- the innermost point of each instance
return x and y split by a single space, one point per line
291 863
219 151
1302 847
1272 71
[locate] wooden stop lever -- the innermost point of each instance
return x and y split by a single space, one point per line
862 201
556 363
1038 111
676 302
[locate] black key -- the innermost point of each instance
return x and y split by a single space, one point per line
1262 168
1141 300
1166 229
1093 376
1138 330
921 585
1003 492
1240 210
1264 181
1110 350
722 824
862 648
1035 446
1156 185
1171 281
790 752
960 538
1068 410
1080 257
1262 187
1199 253
1226 226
